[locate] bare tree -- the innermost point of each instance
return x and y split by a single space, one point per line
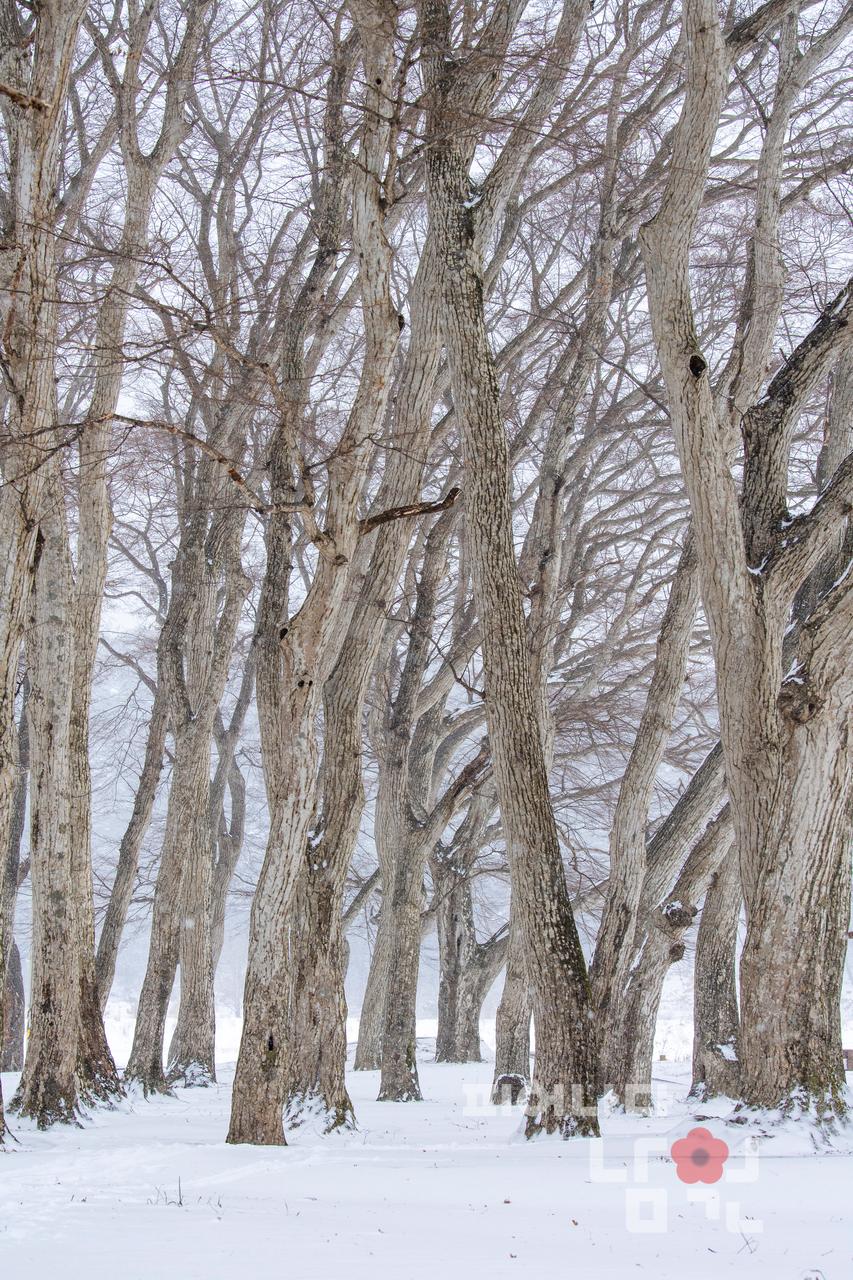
784 735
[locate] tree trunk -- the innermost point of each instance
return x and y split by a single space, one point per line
297 654
467 969
458 1035
316 1045
399 1082
317 1031
190 789
792 964
785 738
663 946
563 1094
368 1052
612 957
511 1082
43 68
131 843
715 1008
50 1088
14 1015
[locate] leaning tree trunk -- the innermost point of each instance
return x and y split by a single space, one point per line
715 1010
130 846
563 1094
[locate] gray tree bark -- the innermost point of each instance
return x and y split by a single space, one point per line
715 1006
563 1093
511 1081
785 738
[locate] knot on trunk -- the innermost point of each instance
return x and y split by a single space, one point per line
679 916
798 701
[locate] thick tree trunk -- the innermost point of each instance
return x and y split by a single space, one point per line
563 1094
317 1018
511 1082
792 964
50 1086
297 654
715 1007
317 1031
785 738
44 66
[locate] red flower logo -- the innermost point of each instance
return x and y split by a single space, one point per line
699 1157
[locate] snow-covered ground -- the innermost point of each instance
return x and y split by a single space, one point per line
441 1189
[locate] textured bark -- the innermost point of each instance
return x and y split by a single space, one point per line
467 967
11 976
368 1053
628 836
785 739
399 1082
317 1043
715 1008
186 821
38 63
316 1026
663 946
70 598
14 1010
53 1085
562 1097
298 653
511 1081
